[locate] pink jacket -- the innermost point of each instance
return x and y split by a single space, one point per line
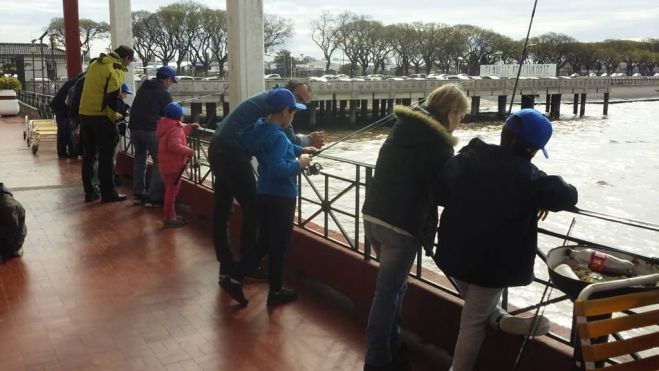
173 150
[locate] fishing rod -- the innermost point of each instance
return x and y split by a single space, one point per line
536 317
197 97
617 219
523 56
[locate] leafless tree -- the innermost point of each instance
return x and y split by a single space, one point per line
145 33
90 30
325 33
276 31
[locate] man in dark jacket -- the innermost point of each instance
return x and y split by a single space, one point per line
492 197
12 225
148 107
65 143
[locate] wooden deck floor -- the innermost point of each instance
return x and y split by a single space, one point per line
104 287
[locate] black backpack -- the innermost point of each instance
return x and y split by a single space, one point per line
12 225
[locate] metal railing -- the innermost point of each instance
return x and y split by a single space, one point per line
329 206
41 102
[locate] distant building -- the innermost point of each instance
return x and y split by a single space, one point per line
32 62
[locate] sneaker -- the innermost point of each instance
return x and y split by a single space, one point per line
175 223
391 366
152 203
91 197
225 270
259 274
114 198
283 296
522 325
234 289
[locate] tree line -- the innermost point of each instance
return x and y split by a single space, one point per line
426 47
189 31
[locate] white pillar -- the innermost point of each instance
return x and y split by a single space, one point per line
245 28
121 30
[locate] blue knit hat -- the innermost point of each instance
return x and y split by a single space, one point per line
174 111
535 128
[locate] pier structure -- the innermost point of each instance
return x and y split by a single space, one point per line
364 100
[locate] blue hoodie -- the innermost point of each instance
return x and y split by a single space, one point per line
277 156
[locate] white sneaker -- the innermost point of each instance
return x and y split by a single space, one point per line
521 325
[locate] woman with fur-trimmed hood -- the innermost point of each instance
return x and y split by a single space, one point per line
400 210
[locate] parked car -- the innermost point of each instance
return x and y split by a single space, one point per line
211 78
185 78
272 76
656 74
418 76
637 75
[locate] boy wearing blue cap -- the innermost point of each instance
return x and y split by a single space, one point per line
173 152
280 161
493 197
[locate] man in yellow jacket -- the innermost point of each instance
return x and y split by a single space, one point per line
98 116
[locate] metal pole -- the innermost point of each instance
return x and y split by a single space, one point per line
43 87
32 50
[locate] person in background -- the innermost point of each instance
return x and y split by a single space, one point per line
174 154
234 174
65 123
98 118
493 197
124 109
400 211
148 107
276 194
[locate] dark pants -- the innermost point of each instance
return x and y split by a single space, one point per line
276 224
234 178
98 134
65 144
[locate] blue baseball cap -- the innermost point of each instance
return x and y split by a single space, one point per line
125 89
166 71
280 98
174 111
535 128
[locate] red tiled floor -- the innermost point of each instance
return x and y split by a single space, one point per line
104 287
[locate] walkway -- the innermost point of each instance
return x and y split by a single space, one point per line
104 287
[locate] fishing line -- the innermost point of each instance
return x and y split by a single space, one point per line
523 57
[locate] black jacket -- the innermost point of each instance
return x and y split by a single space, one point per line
12 223
409 163
149 105
488 229
58 103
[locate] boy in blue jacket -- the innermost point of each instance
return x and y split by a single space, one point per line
280 161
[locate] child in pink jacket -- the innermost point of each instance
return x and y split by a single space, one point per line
173 154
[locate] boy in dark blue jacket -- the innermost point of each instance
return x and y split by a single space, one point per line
280 161
493 196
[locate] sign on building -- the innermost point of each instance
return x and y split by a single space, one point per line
510 70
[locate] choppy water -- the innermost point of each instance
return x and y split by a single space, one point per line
613 161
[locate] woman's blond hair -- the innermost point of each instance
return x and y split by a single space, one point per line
447 98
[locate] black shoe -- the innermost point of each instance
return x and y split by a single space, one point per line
235 290
152 203
258 275
225 269
283 296
139 199
91 197
117 180
114 198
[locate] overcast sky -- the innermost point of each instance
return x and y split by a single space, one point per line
585 20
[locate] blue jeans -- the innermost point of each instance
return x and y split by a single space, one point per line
146 141
397 253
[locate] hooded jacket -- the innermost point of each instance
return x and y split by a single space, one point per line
173 150
401 192
100 92
277 156
149 105
488 230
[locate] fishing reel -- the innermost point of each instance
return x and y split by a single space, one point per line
313 169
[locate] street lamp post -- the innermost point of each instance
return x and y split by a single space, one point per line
33 49
460 59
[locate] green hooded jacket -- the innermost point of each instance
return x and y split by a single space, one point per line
102 85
